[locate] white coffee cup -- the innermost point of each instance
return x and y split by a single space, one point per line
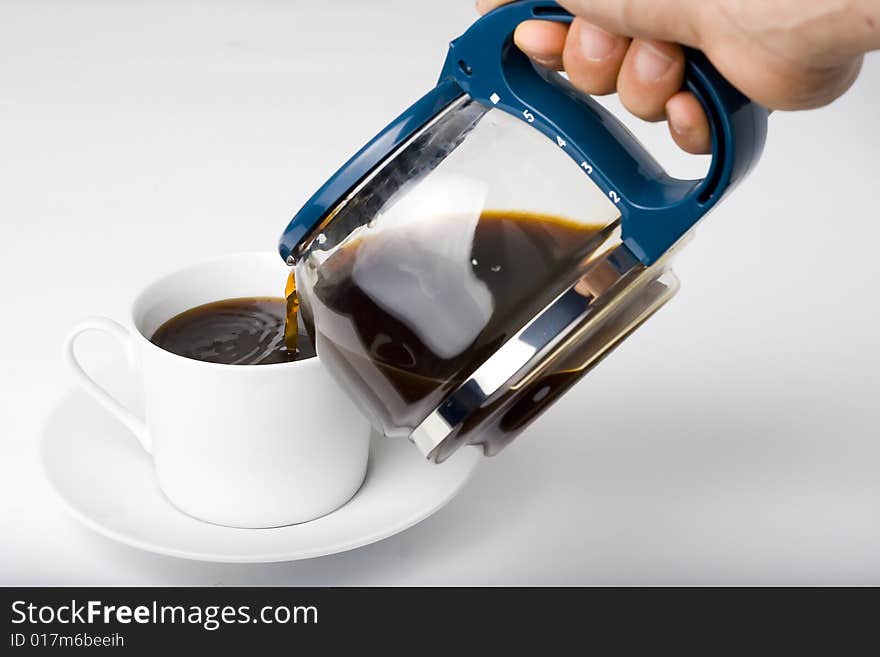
237 445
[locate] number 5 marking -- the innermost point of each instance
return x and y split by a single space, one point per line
529 116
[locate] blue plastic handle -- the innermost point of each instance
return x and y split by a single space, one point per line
656 209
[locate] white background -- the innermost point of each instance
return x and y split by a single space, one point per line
734 439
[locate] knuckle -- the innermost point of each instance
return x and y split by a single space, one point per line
807 88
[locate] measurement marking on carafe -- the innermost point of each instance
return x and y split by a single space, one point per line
586 167
494 98
562 143
529 116
614 196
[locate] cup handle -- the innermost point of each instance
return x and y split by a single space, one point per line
123 336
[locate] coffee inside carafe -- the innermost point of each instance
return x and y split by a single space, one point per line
401 321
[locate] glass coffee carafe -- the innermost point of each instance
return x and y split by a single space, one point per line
496 241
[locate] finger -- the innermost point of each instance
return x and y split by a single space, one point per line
664 20
485 6
592 57
688 124
652 72
543 41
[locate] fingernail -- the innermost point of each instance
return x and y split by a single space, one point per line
651 64
676 125
679 127
596 43
546 62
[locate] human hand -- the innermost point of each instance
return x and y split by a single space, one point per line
784 54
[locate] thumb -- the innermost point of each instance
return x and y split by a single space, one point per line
664 20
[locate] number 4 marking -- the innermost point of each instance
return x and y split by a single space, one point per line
560 141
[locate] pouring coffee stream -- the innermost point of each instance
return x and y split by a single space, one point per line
292 320
496 241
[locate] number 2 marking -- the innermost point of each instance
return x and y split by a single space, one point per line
529 116
586 167
614 196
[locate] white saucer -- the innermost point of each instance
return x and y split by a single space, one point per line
107 481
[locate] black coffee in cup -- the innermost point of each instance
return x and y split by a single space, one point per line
244 331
